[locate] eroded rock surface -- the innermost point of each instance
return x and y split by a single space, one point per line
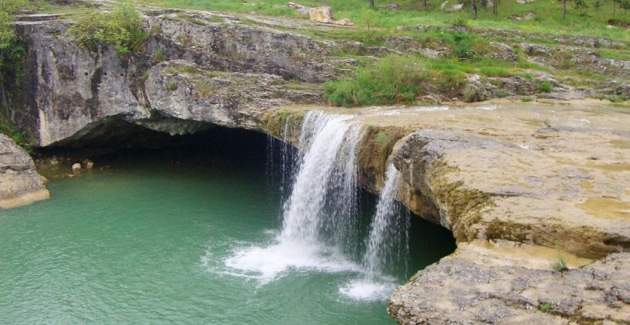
20 184
213 63
507 284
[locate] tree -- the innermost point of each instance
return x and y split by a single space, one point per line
495 7
473 6
372 4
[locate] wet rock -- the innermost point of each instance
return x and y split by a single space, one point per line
20 184
76 168
88 164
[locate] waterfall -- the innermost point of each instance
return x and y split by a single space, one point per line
382 240
387 244
280 162
320 215
323 200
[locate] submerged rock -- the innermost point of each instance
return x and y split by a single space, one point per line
20 184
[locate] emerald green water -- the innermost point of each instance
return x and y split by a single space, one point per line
146 243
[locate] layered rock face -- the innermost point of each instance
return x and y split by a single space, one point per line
217 64
522 186
20 184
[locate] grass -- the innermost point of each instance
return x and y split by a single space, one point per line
401 79
394 80
592 22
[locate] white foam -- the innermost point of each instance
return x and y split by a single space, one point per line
269 263
368 289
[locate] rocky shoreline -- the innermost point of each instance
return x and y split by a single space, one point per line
522 186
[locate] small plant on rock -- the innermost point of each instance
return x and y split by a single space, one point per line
545 307
560 265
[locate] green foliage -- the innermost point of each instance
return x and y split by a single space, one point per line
122 28
545 307
12 56
7 128
560 265
393 79
413 13
544 86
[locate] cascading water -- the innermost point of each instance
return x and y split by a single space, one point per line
319 217
384 237
387 242
280 162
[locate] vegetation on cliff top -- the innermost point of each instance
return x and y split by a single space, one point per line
584 17
121 28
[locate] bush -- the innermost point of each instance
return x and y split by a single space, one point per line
544 86
396 80
122 29
393 79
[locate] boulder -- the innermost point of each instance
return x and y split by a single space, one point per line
321 15
20 184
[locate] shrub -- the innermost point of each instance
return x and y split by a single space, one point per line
545 307
544 86
465 45
393 79
122 29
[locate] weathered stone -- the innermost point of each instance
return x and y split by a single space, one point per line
20 184
503 283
